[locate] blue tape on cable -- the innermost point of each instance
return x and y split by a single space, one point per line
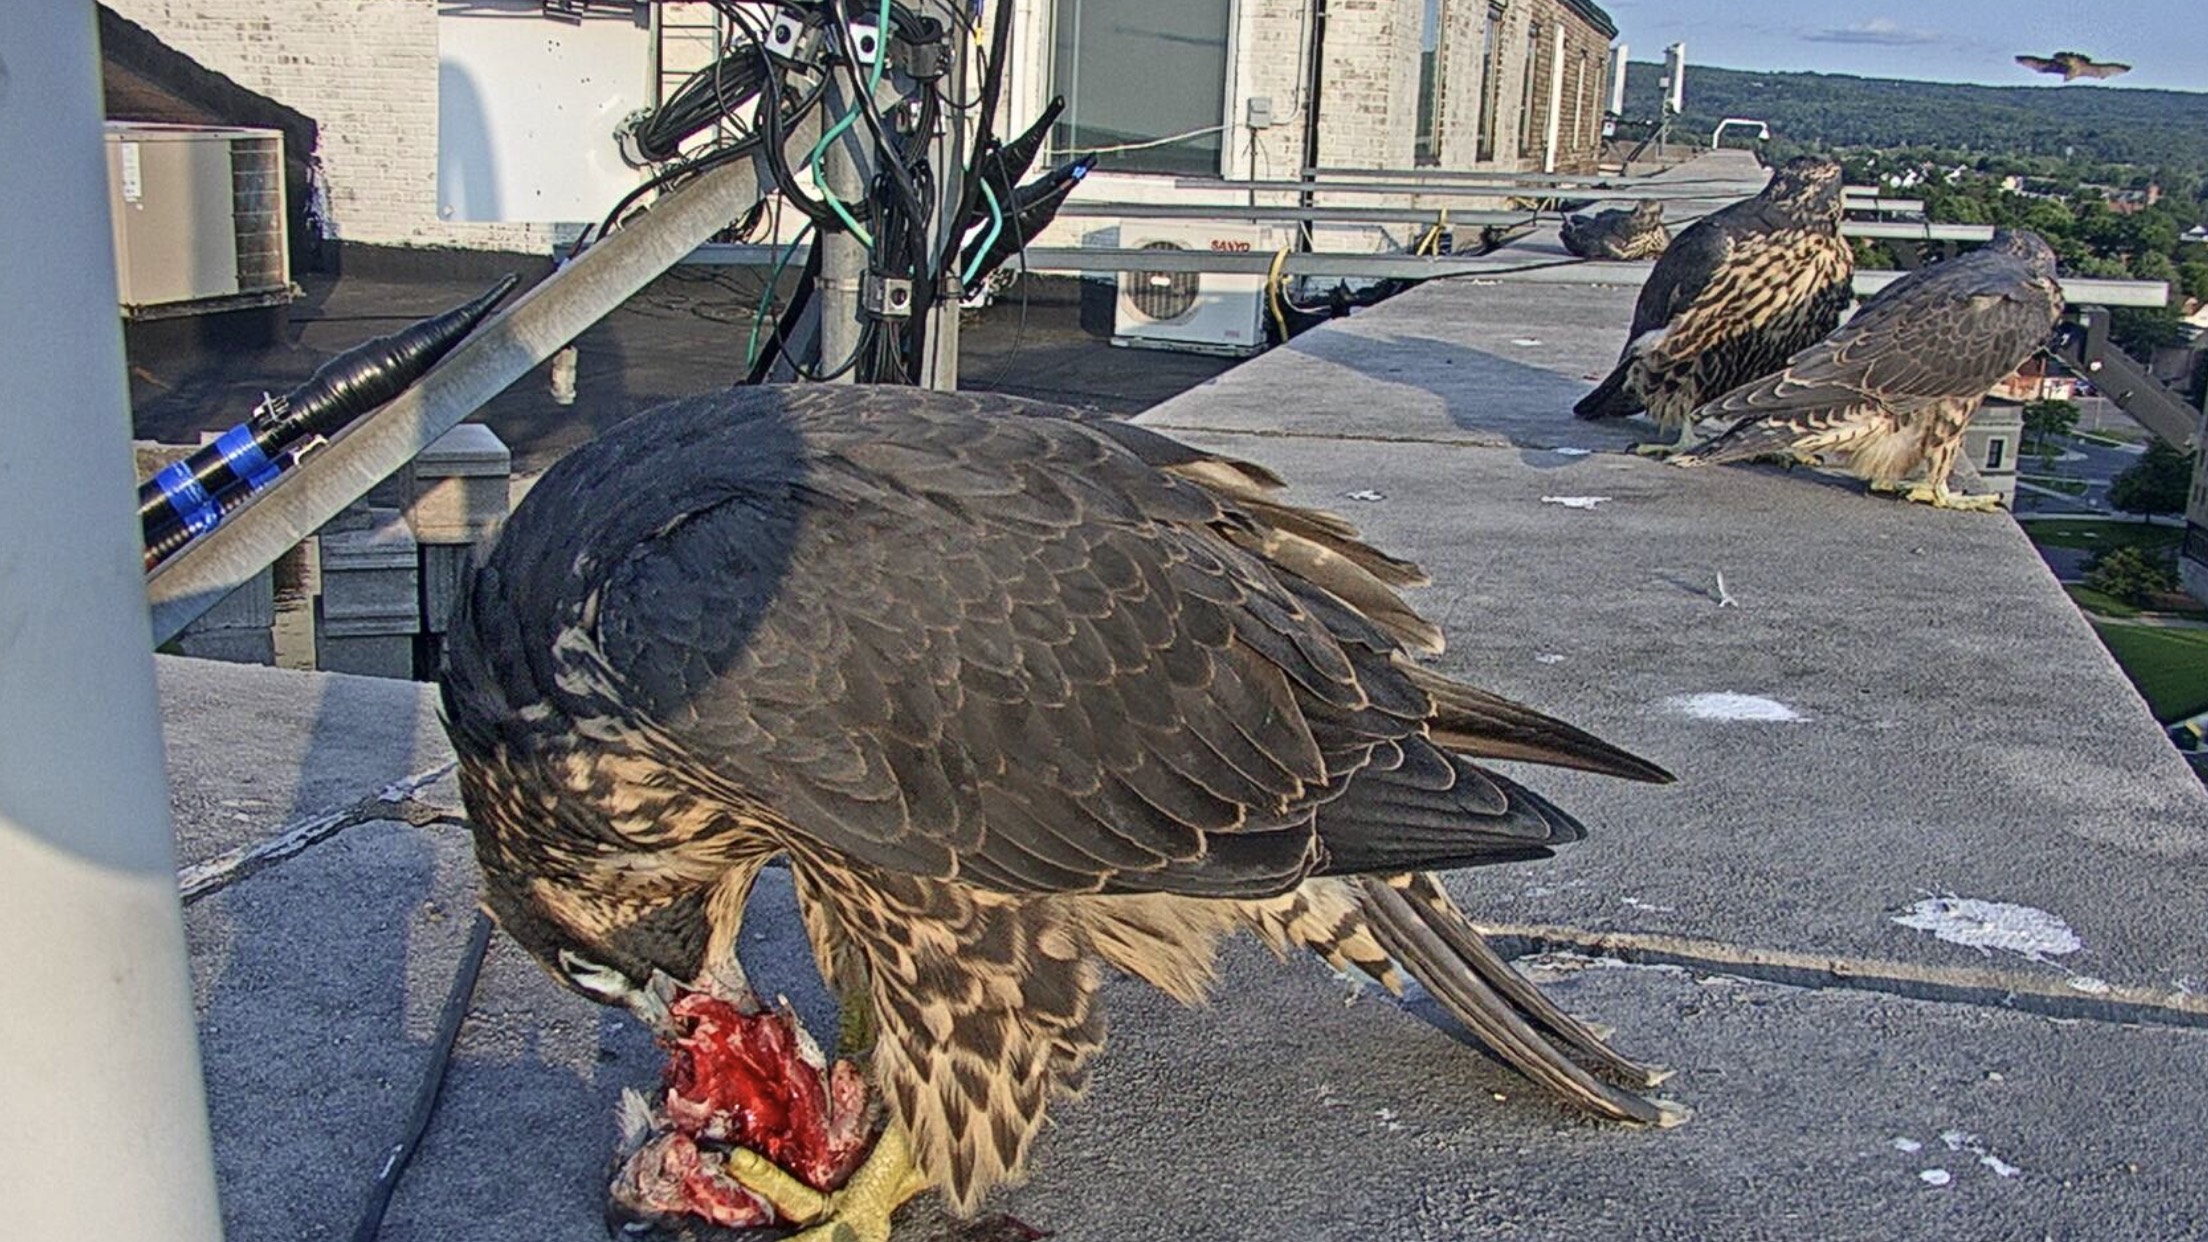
195 509
242 453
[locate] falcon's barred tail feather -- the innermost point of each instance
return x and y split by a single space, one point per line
1471 721
1426 938
1433 905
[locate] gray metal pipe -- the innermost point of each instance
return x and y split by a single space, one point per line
106 1137
503 350
843 257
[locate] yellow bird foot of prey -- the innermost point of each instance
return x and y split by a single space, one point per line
1937 495
859 1212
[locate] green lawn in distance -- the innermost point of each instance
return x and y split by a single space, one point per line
2095 536
2170 667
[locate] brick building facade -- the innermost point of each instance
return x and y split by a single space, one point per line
1450 84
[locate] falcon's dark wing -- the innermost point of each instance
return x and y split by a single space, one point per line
954 638
1947 332
2039 64
1683 274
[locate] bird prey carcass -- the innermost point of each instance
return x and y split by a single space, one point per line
1735 294
1017 693
1635 232
1894 388
2073 65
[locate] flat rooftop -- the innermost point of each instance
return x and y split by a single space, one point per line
1899 716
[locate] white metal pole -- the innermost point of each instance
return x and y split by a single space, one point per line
1556 97
106 1133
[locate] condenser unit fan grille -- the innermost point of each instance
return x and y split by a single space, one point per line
1161 296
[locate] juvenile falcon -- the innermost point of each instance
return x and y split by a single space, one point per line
1635 232
1017 693
1733 297
1893 389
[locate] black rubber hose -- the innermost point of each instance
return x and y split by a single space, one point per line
189 497
401 1153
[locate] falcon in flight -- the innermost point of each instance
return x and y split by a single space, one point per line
1893 390
2073 65
1635 232
1735 294
1018 694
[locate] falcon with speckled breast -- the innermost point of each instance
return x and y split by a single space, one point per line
1735 295
1019 694
1893 390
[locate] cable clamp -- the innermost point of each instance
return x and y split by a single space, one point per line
885 296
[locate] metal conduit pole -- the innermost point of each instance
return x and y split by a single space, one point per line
99 1060
843 256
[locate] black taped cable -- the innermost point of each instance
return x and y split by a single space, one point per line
401 1153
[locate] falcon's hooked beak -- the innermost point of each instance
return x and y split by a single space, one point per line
609 986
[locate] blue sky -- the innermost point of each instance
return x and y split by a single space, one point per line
2164 41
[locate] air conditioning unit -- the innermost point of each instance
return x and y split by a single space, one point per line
198 217
1201 312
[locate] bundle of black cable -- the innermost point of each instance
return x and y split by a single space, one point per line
708 95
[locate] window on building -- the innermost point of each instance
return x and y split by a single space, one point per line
1432 65
1135 71
1997 450
1491 88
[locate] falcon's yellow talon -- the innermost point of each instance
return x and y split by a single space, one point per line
860 1212
1937 496
791 1199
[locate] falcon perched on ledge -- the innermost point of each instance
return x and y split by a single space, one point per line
1635 232
1894 389
1736 293
1017 693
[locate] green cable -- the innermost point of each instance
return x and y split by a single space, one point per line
996 227
766 296
873 80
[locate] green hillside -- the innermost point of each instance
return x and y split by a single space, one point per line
2167 129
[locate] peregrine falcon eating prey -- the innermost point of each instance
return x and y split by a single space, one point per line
1017 693
1734 295
1894 388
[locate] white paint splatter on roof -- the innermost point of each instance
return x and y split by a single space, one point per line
1989 925
1724 705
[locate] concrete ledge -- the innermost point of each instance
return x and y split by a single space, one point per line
1959 734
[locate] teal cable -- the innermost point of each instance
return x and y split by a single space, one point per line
873 80
996 227
766 296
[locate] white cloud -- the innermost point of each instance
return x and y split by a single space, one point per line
1884 31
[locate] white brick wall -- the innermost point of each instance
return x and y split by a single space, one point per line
366 71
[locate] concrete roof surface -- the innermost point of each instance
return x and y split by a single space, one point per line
1960 735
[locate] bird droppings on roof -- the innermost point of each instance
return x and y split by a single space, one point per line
1936 1177
1728 706
1574 502
1960 1141
1989 925
1368 495
1570 450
